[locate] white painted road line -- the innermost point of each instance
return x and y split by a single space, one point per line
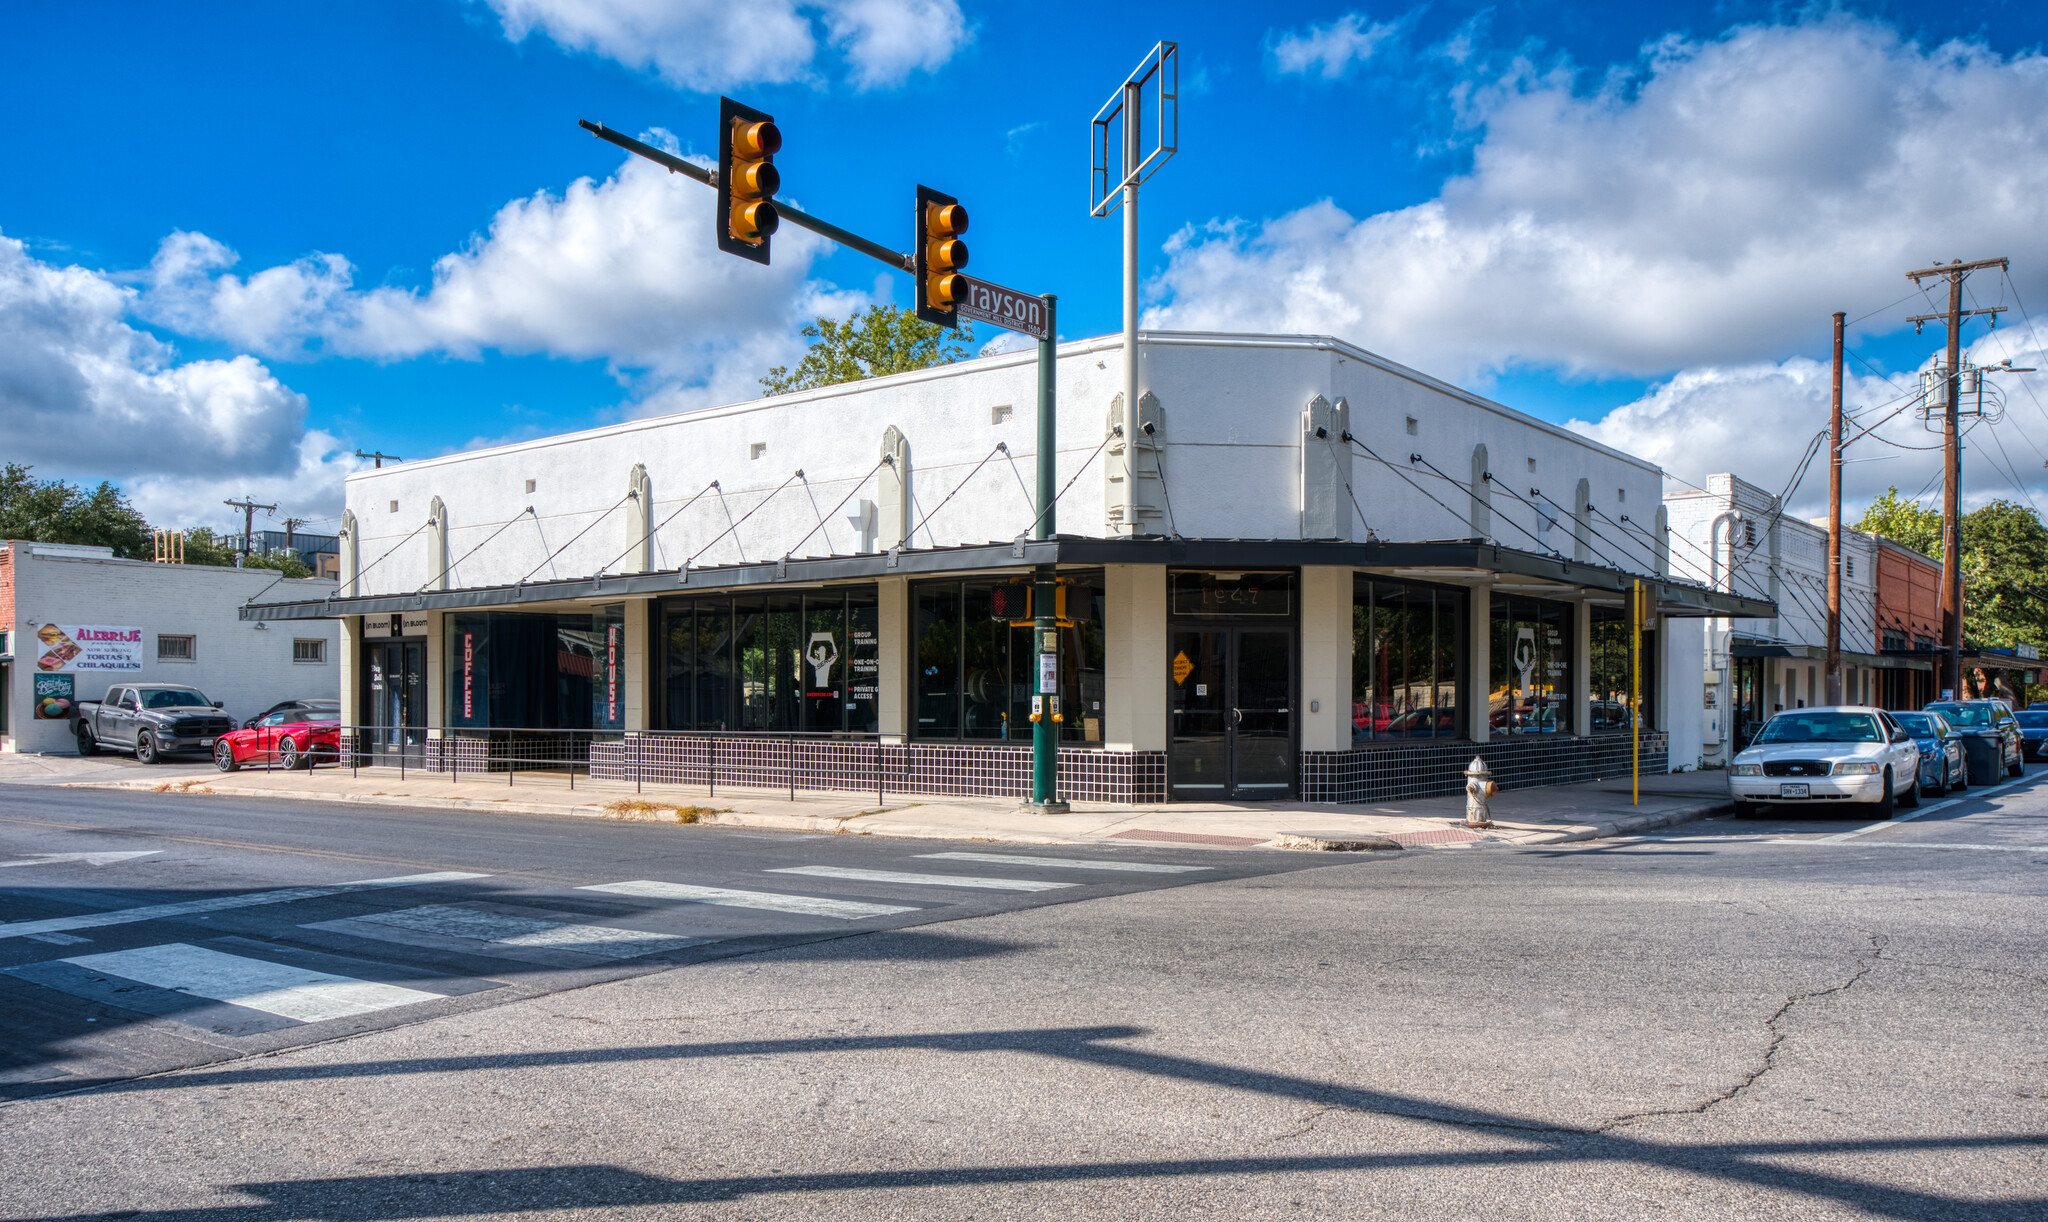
923 880
1921 844
256 984
507 930
91 859
1064 863
255 899
725 897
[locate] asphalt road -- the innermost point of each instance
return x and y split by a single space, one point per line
1766 1018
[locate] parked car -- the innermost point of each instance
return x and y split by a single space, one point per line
1942 764
152 720
1991 737
1835 755
292 737
2033 732
313 708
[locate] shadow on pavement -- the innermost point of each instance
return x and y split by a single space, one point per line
457 1193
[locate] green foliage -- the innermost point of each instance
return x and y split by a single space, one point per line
283 562
1904 521
202 546
2005 576
873 343
52 511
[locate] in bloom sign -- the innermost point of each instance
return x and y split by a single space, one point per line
76 647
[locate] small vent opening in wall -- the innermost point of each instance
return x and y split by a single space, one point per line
1411 426
531 484
1000 413
394 506
757 449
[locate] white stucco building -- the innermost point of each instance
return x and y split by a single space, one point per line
1296 569
76 621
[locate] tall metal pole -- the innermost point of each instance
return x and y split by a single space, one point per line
1638 610
1133 95
1951 503
1834 683
1045 629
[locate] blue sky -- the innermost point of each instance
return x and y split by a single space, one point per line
244 239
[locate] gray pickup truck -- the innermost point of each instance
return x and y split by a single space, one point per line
152 720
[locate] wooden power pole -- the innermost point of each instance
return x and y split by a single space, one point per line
248 508
1952 463
1834 679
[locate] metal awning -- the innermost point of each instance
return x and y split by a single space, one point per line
1466 558
1818 653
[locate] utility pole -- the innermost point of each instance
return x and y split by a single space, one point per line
381 457
248 508
1045 598
291 524
1834 681
1952 462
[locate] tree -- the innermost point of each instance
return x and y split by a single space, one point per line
873 343
52 511
1904 521
2005 576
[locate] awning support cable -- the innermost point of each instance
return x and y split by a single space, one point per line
450 566
743 517
549 558
656 529
827 516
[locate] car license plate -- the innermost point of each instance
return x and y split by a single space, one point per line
1791 790
206 742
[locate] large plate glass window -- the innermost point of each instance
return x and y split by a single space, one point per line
1612 672
1407 650
525 670
779 663
1531 682
975 674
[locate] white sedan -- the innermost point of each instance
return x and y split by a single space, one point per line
1826 757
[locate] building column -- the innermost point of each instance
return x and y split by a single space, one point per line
348 647
1479 662
894 653
1325 658
437 676
1582 669
1134 657
636 665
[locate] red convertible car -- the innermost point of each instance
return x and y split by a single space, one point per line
292 738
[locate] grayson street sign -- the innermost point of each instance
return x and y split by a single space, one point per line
1006 308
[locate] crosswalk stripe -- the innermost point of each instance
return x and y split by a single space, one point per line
255 984
153 912
1064 863
725 897
507 930
923 880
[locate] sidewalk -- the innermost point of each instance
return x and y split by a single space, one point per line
1527 816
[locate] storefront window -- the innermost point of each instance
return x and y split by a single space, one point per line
1407 645
1530 690
783 663
976 673
1613 672
520 670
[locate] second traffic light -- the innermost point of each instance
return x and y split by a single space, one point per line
940 256
747 180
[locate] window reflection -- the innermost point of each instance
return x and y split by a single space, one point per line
1406 648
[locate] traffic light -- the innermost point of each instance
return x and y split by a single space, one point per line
747 180
940 257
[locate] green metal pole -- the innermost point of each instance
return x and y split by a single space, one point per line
1045 633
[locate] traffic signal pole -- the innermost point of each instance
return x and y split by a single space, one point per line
749 215
1045 629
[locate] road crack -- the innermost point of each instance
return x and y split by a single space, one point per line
1865 964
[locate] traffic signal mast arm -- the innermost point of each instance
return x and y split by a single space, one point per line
826 229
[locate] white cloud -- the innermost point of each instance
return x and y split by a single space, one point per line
706 45
83 392
1329 51
1757 419
1699 209
623 270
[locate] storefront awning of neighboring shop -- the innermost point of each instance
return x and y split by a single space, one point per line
1741 648
1448 560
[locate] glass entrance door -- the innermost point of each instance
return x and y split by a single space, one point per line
1232 705
397 702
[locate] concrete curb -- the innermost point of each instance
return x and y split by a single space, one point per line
1334 842
1622 827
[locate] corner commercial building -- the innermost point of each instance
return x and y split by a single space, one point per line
1295 569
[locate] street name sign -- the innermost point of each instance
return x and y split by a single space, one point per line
1001 307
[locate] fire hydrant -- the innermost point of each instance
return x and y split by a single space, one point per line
1479 788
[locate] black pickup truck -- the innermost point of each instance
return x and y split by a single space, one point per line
152 720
